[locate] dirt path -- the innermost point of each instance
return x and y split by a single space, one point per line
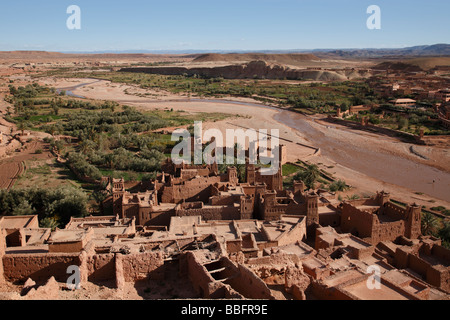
11 168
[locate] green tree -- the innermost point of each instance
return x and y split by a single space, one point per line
429 224
22 126
309 175
49 222
444 233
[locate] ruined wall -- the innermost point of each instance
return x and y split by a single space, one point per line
297 233
436 275
249 284
322 292
198 275
101 267
140 266
39 267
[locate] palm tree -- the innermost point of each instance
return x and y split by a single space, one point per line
50 223
429 224
309 175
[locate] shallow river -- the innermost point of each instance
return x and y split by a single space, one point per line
379 165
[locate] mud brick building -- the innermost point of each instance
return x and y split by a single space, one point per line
378 219
225 239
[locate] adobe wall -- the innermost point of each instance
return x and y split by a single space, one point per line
2 252
355 221
215 213
271 211
198 189
387 231
249 284
330 219
101 267
322 292
39 267
395 211
435 275
14 238
199 276
439 278
140 266
297 233
441 253
160 218
234 246
223 200
130 211
266 245
67 247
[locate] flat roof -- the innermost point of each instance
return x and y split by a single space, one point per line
402 100
16 222
298 249
362 291
60 236
37 236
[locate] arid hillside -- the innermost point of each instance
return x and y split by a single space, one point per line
283 59
256 70
414 64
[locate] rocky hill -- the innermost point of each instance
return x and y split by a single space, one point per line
255 70
282 59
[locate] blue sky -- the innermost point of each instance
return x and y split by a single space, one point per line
220 25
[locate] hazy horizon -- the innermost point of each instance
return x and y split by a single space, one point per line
204 51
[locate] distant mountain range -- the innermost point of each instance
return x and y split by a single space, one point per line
418 51
425 50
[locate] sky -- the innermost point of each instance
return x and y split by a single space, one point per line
220 25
